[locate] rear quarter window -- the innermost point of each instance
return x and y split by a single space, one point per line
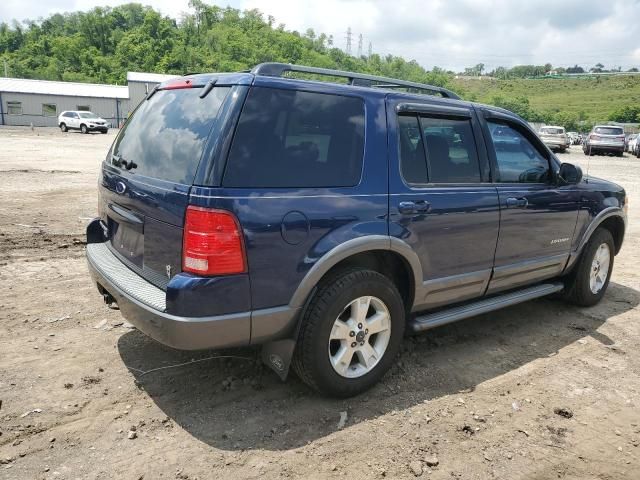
166 135
288 139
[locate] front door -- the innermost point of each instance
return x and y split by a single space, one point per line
537 216
441 200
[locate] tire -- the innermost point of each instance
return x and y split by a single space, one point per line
315 352
84 129
579 287
103 131
63 127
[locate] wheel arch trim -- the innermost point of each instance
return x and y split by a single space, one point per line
353 247
605 214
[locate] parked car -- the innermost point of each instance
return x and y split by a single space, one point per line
82 120
632 140
323 220
605 139
555 138
574 138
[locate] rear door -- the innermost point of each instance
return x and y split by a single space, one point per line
537 216
442 201
148 174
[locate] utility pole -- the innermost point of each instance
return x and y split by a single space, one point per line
370 49
359 45
6 69
349 41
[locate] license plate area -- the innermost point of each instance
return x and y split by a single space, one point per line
127 241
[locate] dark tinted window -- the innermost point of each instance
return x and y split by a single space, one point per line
609 130
451 150
413 163
518 160
166 135
449 144
290 138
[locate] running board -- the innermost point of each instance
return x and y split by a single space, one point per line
432 320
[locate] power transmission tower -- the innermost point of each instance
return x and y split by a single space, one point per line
359 45
349 41
370 49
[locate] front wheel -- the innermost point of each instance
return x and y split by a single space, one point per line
588 283
350 334
84 129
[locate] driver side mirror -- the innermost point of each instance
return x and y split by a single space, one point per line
569 174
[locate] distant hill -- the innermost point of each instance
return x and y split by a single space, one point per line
103 44
592 99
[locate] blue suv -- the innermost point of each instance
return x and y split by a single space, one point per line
323 220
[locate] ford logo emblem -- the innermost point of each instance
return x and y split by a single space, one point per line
120 187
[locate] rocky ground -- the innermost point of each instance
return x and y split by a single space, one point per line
537 391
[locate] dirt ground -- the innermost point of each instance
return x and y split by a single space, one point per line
473 400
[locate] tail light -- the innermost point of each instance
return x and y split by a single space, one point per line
594 137
212 243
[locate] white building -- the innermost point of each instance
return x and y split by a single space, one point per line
39 102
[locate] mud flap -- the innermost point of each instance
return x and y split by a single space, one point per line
278 355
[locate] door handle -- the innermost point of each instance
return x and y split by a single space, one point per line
513 202
421 206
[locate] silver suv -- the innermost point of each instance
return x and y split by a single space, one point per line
555 138
605 139
82 120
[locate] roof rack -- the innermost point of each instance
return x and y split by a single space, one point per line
273 69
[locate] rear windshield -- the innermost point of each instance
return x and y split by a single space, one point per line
553 131
608 130
289 138
167 133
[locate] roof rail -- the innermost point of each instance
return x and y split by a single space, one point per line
273 69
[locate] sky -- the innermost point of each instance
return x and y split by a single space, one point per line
451 34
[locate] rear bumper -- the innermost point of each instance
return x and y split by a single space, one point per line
551 143
143 304
605 146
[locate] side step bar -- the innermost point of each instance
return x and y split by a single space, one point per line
432 320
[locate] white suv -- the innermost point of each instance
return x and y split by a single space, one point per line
555 138
82 120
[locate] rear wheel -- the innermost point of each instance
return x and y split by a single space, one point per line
84 129
63 127
350 334
589 280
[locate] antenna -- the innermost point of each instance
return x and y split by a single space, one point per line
588 161
359 45
349 41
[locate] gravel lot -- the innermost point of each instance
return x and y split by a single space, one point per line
473 400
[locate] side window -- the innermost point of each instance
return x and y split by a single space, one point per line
518 160
451 150
290 139
413 163
14 108
49 110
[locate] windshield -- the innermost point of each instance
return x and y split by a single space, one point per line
87 115
608 130
166 135
553 131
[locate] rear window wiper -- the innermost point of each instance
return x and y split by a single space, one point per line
118 161
208 87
